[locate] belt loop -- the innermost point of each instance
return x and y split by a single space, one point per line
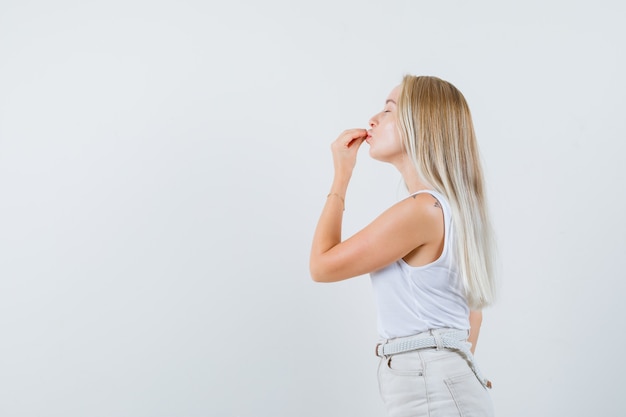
438 340
381 346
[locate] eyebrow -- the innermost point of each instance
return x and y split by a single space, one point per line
391 101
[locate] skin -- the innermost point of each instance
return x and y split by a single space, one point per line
412 229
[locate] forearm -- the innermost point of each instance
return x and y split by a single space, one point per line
475 319
328 230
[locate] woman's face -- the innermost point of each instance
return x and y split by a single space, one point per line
383 136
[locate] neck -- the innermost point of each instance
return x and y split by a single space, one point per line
412 180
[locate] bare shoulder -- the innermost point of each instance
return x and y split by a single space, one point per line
424 206
425 199
422 214
428 224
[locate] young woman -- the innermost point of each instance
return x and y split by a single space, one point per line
430 256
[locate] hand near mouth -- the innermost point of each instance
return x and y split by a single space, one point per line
345 149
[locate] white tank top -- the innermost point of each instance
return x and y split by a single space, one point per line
414 299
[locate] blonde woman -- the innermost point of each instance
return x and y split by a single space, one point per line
430 256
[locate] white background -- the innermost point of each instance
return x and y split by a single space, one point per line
163 165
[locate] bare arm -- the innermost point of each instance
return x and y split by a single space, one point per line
475 319
399 230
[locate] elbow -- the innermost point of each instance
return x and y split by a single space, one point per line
321 275
326 268
318 272
316 278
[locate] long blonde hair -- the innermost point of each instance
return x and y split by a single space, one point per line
438 134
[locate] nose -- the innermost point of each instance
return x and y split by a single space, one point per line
373 122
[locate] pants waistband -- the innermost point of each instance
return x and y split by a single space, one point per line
436 338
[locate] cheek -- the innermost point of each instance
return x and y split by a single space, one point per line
391 130
393 136
387 146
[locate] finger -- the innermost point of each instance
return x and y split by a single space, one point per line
350 135
356 142
357 133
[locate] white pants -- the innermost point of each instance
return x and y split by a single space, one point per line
431 383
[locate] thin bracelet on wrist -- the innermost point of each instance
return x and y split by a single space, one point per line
340 197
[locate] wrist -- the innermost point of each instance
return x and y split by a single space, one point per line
340 183
339 189
336 195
